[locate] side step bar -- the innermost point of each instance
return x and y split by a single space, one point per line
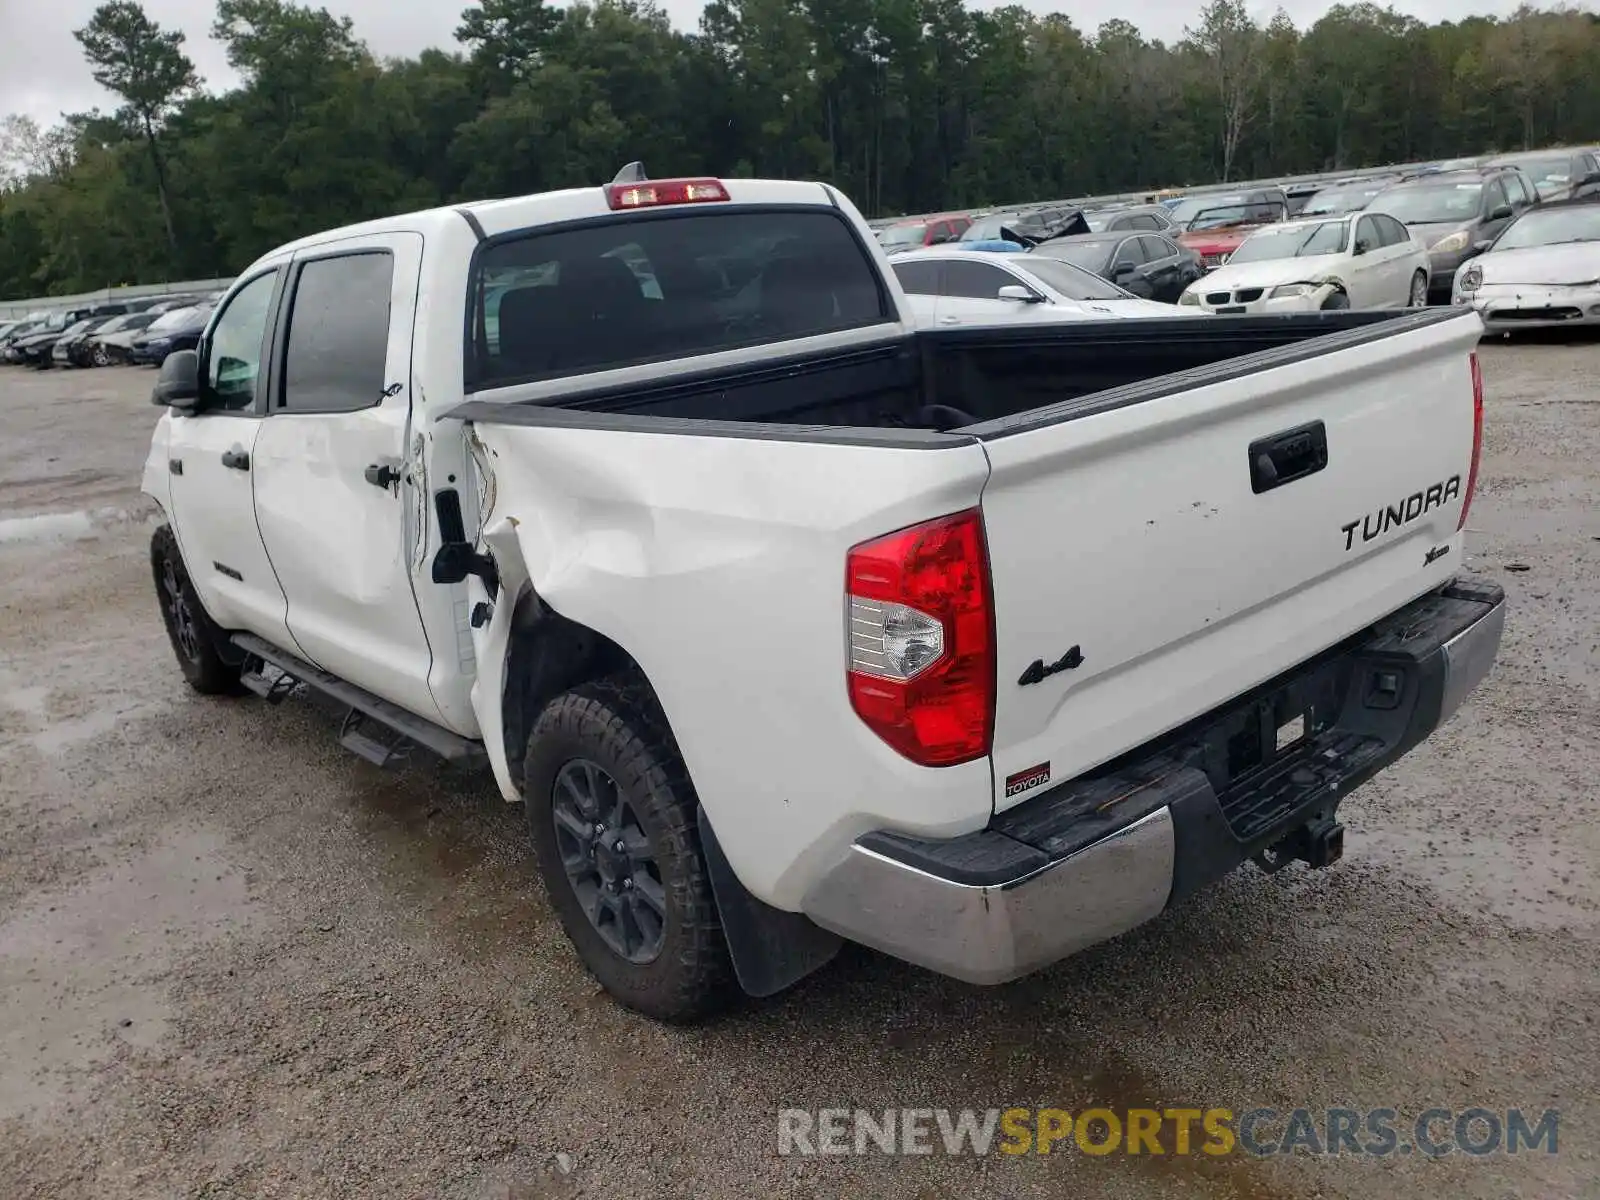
378 731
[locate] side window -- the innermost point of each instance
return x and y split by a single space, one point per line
338 334
1145 221
1156 249
1494 195
918 278
977 280
1129 252
233 351
959 226
1391 231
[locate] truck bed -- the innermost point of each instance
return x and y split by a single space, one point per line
981 382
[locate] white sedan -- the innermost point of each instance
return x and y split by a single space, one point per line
1543 269
1355 260
978 287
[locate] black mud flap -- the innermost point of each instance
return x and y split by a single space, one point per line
771 949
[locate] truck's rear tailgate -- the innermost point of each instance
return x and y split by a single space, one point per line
1134 560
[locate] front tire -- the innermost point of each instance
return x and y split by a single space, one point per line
613 818
1418 296
100 356
193 637
1335 302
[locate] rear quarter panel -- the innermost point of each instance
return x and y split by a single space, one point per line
717 563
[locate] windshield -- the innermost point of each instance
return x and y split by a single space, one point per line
1349 197
905 235
175 319
1090 254
1432 203
1190 207
1067 280
1552 227
988 228
1292 241
1546 171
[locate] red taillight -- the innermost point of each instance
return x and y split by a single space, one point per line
1477 438
920 639
664 191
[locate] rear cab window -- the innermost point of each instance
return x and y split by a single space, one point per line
633 290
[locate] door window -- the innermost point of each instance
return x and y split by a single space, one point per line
1129 252
1367 239
1145 221
338 334
1157 248
978 281
1392 232
918 278
1494 195
233 351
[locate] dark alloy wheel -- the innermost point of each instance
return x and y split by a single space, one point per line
609 861
615 826
193 637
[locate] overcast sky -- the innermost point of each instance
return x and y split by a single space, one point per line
43 74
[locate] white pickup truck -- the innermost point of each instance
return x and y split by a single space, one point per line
789 622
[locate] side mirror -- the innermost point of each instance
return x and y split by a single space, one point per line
178 385
1122 270
1501 213
1481 246
1022 295
1362 247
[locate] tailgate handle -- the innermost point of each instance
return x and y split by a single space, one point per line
1287 456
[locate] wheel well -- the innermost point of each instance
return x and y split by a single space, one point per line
549 655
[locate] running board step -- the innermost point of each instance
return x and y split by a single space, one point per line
378 731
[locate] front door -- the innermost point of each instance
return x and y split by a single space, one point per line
338 513
211 461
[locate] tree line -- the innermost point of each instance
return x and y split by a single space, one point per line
907 105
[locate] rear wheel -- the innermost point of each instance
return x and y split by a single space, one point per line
1419 291
193 637
614 822
1336 301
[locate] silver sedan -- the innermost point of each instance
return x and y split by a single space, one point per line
1542 271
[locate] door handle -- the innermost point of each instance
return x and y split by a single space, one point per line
175 466
382 474
236 458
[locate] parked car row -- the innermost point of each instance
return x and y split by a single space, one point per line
141 331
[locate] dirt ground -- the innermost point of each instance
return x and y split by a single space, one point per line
236 961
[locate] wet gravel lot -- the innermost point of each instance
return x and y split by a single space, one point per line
236 961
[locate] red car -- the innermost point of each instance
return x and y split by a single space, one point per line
917 232
1213 224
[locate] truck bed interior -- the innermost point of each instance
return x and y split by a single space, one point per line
976 380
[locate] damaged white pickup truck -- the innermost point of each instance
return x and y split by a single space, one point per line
790 623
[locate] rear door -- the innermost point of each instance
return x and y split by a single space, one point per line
1135 538
338 510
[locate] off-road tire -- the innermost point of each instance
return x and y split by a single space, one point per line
193 636
617 725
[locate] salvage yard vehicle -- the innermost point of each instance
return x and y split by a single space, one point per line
1212 224
1543 270
789 622
1456 214
952 287
1148 265
1358 260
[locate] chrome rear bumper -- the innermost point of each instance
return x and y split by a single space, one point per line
1092 859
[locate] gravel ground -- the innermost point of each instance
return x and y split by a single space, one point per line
238 962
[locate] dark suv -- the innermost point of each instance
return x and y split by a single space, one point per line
1456 214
